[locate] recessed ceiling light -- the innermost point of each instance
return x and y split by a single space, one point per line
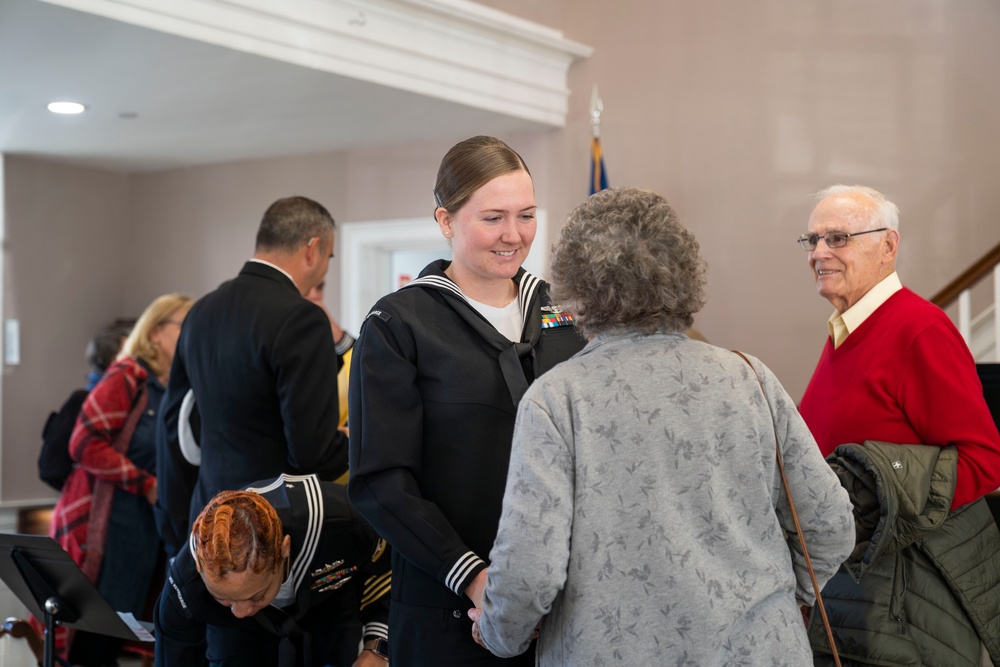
66 107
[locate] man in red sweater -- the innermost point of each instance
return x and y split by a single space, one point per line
894 367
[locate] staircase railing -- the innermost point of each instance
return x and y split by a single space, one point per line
960 290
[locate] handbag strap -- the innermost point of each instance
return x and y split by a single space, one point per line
103 492
124 438
798 527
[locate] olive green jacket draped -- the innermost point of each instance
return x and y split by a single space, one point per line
922 586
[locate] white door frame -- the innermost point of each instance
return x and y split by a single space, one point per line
366 248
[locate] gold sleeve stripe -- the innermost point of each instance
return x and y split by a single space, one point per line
378 580
368 599
376 587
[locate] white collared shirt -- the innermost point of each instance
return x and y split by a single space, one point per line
841 325
276 268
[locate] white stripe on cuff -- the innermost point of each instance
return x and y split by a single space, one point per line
460 570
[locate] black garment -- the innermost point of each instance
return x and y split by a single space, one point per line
132 566
434 393
54 461
923 583
328 537
263 366
429 637
93 650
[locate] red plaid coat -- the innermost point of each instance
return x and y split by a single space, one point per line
101 419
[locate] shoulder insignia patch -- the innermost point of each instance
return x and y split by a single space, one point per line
381 314
379 550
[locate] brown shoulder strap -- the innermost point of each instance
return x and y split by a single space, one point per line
103 492
798 528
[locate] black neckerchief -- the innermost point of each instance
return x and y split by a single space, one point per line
298 502
513 356
284 625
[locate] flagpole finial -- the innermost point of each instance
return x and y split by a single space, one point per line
596 107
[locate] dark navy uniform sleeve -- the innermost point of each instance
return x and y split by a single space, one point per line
180 637
375 593
386 418
308 397
176 477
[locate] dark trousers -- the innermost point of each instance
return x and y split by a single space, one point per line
432 637
93 650
333 640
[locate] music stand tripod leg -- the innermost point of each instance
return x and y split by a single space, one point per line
55 609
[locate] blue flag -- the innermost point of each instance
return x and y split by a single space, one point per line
598 177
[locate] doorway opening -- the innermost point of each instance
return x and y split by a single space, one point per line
377 255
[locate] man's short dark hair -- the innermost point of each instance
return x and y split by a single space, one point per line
289 223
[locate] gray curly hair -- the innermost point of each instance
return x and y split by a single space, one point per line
624 262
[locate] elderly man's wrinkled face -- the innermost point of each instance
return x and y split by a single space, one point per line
844 275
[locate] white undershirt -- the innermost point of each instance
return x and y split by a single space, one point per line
286 594
507 320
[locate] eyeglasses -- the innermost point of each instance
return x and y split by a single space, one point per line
833 239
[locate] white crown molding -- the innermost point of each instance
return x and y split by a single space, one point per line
454 50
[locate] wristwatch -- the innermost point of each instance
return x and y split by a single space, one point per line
380 648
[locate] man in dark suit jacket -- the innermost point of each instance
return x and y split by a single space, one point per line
262 363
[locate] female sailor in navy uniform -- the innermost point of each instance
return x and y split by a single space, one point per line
437 373
284 573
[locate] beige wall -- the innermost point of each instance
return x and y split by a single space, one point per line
196 227
202 221
65 270
735 111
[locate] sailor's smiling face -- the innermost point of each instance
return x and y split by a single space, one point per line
492 233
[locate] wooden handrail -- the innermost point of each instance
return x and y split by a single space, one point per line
15 627
968 278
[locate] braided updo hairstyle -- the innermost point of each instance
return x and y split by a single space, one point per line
237 531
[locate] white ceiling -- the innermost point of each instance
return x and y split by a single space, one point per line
158 101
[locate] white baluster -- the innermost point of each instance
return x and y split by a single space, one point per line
965 316
996 314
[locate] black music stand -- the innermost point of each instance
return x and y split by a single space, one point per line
49 583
